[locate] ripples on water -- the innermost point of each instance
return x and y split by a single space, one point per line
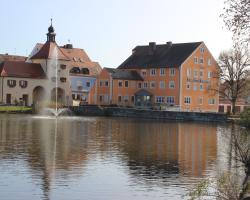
106 158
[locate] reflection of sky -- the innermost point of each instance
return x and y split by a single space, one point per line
102 158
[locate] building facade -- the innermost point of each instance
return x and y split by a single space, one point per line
50 73
179 76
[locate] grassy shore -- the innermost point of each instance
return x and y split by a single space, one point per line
15 109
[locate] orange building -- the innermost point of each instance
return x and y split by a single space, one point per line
167 76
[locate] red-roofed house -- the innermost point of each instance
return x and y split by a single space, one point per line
33 79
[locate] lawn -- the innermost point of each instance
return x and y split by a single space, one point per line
14 108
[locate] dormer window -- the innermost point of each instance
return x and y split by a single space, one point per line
85 71
202 49
23 83
11 83
75 70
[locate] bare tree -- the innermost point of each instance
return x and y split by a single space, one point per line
236 17
233 72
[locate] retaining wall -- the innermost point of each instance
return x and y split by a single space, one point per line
148 114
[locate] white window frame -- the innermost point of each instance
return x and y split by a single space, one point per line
162 85
201 87
170 100
159 99
152 82
162 71
171 83
153 72
196 60
187 100
171 71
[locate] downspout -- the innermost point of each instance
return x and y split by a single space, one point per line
2 89
180 86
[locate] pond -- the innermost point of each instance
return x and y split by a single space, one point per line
107 158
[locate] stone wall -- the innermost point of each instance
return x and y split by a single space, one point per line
148 114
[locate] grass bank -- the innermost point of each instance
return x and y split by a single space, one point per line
15 109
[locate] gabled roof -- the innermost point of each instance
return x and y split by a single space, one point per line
21 69
124 74
163 55
47 51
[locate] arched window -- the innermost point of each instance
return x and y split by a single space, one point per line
85 71
75 70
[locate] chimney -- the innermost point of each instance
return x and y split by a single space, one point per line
152 48
68 46
169 43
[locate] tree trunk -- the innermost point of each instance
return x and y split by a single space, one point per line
233 106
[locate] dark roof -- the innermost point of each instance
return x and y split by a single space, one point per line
164 55
124 74
47 52
21 69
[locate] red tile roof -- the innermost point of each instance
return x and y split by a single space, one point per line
47 52
21 69
7 57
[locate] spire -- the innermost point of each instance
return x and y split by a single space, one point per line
51 35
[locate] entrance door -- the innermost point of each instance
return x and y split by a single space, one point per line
8 98
25 99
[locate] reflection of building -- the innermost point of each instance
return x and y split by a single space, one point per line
28 81
172 76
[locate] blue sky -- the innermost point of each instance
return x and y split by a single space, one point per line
108 30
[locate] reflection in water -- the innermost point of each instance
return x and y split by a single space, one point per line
145 159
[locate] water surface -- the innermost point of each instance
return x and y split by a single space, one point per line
107 158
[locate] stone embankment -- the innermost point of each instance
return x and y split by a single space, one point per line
148 114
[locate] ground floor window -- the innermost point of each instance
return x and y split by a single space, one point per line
170 100
187 100
159 99
211 101
119 98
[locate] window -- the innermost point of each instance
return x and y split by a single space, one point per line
200 100
202 49
195 87
119 98
201 73
125 98
162 71
104 83
63 79
172 71
211 101
78 96
88 84
139 85
145 84
195 73
189 72
171 84
132 99
152 84
195 60
159 99
144 73
187 100
119 83
126 84
153 72
188 86
85 71
75 70
11 83
23 84
162 84
170 100
201 61
210 74
63 66
101 98
201 87
73 96
209 62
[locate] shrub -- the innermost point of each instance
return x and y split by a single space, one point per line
245 118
